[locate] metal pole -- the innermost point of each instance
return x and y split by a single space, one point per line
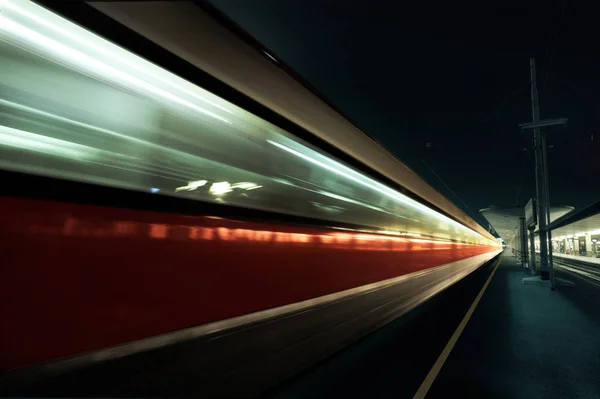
519 244
539 175
524 252
532 250
547 193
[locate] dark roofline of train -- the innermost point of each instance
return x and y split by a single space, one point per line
240 32
84 14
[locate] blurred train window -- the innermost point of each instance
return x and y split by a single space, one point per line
77 107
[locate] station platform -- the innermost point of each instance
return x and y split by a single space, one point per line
578 258
521 341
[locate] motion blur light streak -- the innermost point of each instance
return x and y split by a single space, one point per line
342 198
395 233
158 231
270 56
191 186
39 112
148 146
76 108
44 18
162 148
89 65
371 184
30 11
246 186
74 227
47 145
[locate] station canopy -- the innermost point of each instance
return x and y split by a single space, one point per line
505 220
577 224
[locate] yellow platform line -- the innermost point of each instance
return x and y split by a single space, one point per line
439 363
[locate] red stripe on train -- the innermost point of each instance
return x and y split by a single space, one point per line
75 278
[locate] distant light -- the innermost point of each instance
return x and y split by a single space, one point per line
339 197
243 185
270 56
220 188
154 190
246 186
328 208
191 186
388 232
412 234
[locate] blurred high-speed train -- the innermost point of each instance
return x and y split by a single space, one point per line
163 172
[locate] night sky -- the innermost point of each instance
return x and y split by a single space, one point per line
457 78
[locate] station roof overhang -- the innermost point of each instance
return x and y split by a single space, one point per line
505 220
581 223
